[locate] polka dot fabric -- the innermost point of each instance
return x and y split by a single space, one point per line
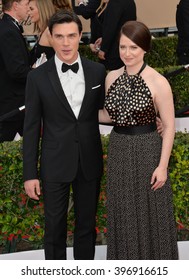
129 101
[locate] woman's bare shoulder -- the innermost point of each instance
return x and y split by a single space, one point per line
154 75
156 81
45 39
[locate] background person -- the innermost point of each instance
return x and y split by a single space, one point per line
87 9
62 4
140 214
14 66
67 103
116 13
40 13
96 25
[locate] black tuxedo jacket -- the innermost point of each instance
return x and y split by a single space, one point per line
66 141
115 15
14 66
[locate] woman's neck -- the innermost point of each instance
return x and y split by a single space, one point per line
133 70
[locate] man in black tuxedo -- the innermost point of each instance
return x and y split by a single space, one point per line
64 95
115 15
14 66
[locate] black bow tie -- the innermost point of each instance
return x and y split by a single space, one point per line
21 28
74 67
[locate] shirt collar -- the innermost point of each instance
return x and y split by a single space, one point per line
16 20
11 17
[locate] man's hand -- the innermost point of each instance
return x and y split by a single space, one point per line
32 188
93 48
160 128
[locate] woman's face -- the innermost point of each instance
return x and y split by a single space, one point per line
130 53
33 12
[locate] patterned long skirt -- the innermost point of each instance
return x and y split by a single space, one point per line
141 221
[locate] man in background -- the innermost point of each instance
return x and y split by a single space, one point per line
86 9
182 21
115 15
14 66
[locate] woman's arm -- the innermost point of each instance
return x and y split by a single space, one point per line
103 113
104 117
164 103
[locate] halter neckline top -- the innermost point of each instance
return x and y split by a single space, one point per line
129 101
141 69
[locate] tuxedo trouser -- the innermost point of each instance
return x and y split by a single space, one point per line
56 200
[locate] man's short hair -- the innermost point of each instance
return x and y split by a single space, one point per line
64 16
7 4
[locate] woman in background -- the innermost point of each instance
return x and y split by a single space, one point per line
40 12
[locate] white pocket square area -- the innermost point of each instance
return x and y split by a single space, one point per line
96 87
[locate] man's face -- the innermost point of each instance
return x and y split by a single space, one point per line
65 41
22 10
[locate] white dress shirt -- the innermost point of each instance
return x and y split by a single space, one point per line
73 84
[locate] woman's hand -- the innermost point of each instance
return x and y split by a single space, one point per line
159 178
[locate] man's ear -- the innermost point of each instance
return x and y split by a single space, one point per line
15 5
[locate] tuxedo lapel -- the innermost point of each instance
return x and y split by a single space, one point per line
88 85
55 81
12 22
